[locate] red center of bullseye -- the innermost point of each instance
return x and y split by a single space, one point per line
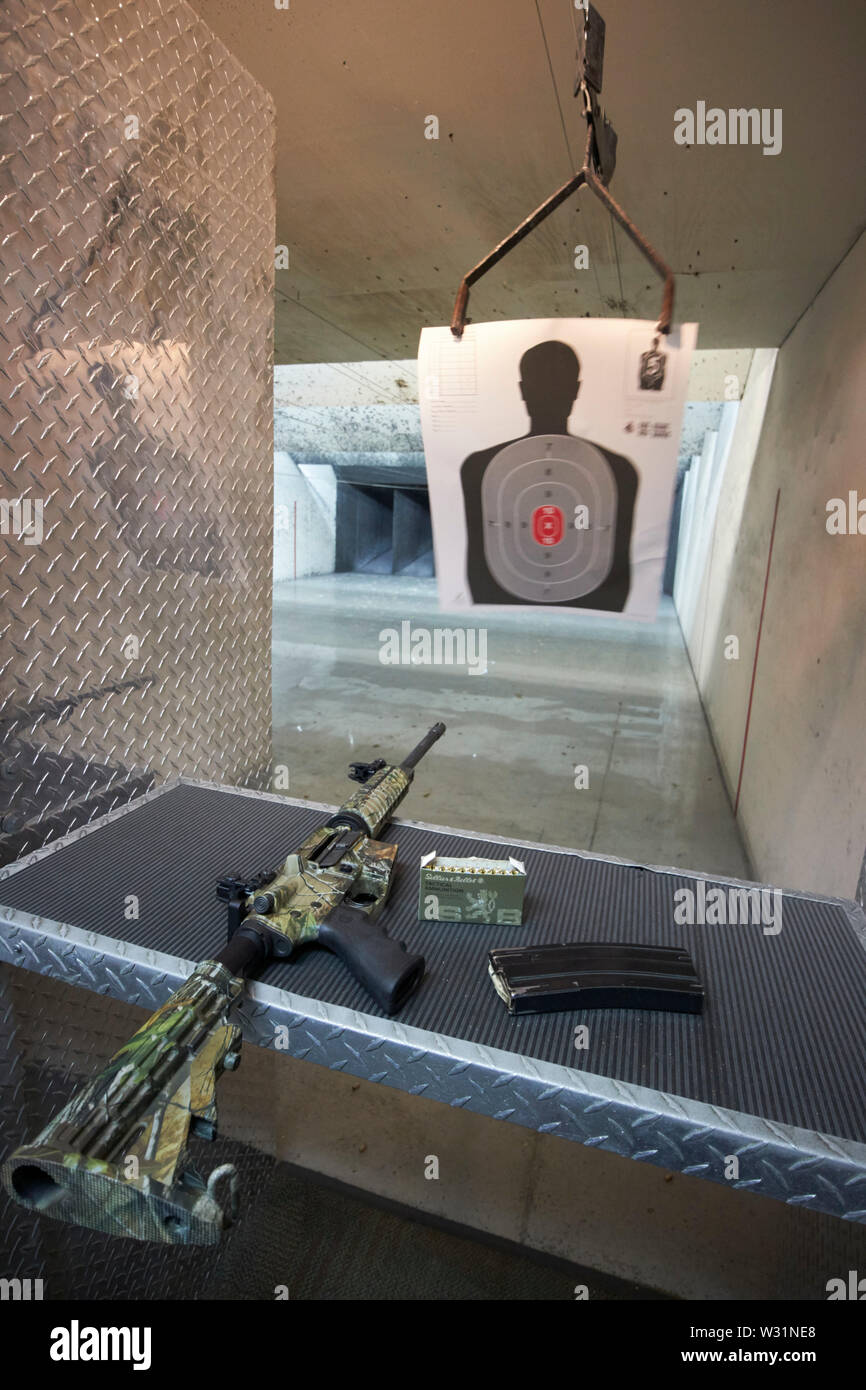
547 525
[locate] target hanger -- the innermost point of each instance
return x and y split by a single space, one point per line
599 162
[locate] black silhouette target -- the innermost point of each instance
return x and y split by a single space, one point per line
549 506
549 515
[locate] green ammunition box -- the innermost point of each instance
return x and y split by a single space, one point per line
471 890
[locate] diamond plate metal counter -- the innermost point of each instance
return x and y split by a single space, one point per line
136 186
776 1085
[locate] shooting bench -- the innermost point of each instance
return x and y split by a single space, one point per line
770 1073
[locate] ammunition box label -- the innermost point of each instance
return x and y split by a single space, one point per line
488 896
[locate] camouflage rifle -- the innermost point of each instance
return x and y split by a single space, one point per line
115 1158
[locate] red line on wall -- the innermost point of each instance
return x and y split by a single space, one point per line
757 649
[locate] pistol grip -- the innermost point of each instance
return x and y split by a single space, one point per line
383 966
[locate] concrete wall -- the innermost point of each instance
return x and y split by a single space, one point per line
703 525
305 504
354 421
801 807
715 375
711 561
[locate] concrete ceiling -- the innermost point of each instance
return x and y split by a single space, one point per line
381 223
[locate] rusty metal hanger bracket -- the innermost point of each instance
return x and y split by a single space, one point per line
599 161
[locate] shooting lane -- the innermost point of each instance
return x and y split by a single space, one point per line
642 1153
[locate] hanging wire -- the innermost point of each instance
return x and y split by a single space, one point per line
571 9
562 120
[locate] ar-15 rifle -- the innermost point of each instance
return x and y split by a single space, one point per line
115 1158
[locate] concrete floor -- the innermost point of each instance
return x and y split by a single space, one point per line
562 690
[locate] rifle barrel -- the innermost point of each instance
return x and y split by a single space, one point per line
244 953
414 758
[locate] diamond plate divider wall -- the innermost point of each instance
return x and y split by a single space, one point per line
136 187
